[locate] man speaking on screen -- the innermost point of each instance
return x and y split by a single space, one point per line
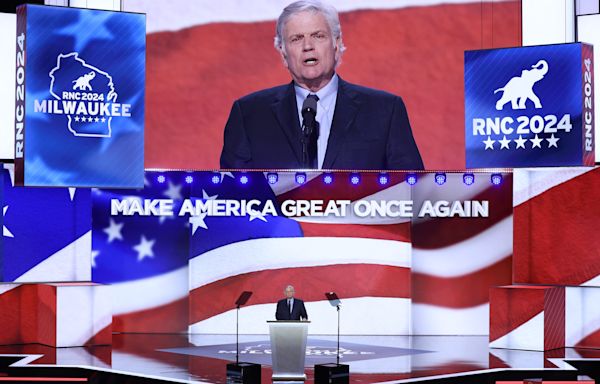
290 308
317 121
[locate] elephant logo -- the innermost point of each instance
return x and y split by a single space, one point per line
83 82
519 89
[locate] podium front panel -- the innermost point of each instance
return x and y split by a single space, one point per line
288 349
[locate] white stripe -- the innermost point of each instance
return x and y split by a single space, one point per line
81 312
359 316
5 287
471 255
528 336
529 183
178 14
434 320
72 263
400 191
138 295
582 313
276 253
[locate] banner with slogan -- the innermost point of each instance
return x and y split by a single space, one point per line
195 240
80 83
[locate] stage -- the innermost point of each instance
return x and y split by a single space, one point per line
372 359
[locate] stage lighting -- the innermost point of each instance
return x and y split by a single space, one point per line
328 178
300 177
161 178
354 178
440 178
244 179
469 179
216 178
496 178
272 177
189 179
384 178
411 179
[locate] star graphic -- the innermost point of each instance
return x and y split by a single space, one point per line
5 231
520 142
72 192
255 214
553 141
96 119
504 142
228 174
489 143
537 142
90 119
205 196
114 231
94 256
173 192
144 248
198 221
76 118
103 120
83 34
11 171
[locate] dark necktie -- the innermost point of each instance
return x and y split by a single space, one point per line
312 140
290 305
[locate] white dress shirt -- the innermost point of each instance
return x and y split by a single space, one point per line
325 109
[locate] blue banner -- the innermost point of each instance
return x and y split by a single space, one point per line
529 106
82 90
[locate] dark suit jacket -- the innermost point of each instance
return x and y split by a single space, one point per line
370 130
283 312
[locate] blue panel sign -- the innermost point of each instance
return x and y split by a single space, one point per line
79 97
529 106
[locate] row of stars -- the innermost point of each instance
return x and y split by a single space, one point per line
89 119
536 142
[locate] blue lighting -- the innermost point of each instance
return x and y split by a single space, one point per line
496 178
354 178
328 178
440 178
384 178
189 179
161 178
300 177
244 179
469 179
216 178
411 179
272 177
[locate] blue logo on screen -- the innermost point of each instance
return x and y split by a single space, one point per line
521 106
83 93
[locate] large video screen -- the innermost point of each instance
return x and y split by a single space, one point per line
204 58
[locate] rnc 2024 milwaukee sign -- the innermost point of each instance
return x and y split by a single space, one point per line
529 106
79 97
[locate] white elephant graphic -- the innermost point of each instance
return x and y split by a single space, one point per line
519 89
83 82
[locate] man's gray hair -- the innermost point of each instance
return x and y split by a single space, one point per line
330 13
290 287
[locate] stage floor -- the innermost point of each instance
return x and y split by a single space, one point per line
372 359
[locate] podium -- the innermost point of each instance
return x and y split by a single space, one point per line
288 349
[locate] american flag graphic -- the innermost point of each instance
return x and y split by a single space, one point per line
555 244
203 55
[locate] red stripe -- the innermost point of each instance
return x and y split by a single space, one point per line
348 280
556 234
462 291
190 87
453 230
170 317
511 307
554 318
398 232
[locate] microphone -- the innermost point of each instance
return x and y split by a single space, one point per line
309 115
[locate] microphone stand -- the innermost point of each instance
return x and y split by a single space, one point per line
338 335
237 334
